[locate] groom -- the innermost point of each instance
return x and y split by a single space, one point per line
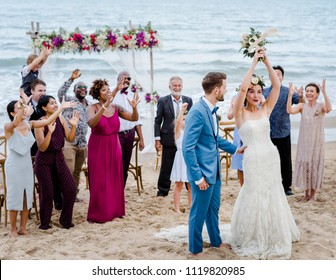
200 150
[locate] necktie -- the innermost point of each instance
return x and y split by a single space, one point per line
215 110
177 108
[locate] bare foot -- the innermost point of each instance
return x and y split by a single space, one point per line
177 210
22 231
225 245
304 199
14 234
312 198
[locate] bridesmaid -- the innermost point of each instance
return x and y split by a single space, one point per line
105 168
309 164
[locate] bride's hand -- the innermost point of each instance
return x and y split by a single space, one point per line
241 150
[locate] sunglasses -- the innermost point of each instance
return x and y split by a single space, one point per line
129 78
81 87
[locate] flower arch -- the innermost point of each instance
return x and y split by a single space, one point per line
140 38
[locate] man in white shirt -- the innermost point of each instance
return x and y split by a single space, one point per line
127 128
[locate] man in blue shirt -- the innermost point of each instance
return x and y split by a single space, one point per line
281 128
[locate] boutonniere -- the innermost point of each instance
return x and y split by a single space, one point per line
316 113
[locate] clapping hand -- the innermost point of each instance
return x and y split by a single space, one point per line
184 107
75 74
75 118
47 50
121 84
291 89
323 86
67 104
51 127
299 91
28 110
135 101
24 96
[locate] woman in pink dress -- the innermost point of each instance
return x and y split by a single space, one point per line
105 169
309 163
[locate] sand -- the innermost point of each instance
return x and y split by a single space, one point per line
132 237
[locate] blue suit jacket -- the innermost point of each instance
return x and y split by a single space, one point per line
200 145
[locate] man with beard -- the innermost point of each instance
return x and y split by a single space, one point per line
200 145
127 128
75 153
168 108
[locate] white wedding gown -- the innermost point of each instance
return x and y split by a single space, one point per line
262 225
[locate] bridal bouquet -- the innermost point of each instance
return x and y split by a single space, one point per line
255 39
152 97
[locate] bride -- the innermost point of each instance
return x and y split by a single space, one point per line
262 224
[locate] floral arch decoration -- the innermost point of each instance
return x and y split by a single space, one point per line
132 39
140 38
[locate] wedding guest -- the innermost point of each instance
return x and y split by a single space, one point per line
200 145
106 177
168 108
179 169
38 89
18 164
309 163
50 166
75 152
127 128
262 224
30 72
281 128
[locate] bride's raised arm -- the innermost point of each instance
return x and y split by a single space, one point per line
239 104
274 94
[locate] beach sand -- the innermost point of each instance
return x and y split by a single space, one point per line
132 237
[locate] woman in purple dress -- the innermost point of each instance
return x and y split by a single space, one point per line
105 168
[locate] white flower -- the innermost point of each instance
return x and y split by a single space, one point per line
254 80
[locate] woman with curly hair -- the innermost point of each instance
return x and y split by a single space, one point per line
105 168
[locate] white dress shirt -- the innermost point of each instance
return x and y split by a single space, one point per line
121 100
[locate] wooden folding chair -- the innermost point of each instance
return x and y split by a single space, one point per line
135 168
226 129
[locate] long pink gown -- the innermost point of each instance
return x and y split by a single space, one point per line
105 170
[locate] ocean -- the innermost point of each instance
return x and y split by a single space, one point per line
196 37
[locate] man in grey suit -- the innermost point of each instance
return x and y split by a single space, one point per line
168 108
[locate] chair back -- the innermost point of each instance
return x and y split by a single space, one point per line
226 129
3 148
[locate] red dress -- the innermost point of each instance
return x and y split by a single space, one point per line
105 170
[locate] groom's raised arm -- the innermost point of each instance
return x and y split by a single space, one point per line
192 132
226 145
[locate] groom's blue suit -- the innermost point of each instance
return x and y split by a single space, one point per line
200 150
